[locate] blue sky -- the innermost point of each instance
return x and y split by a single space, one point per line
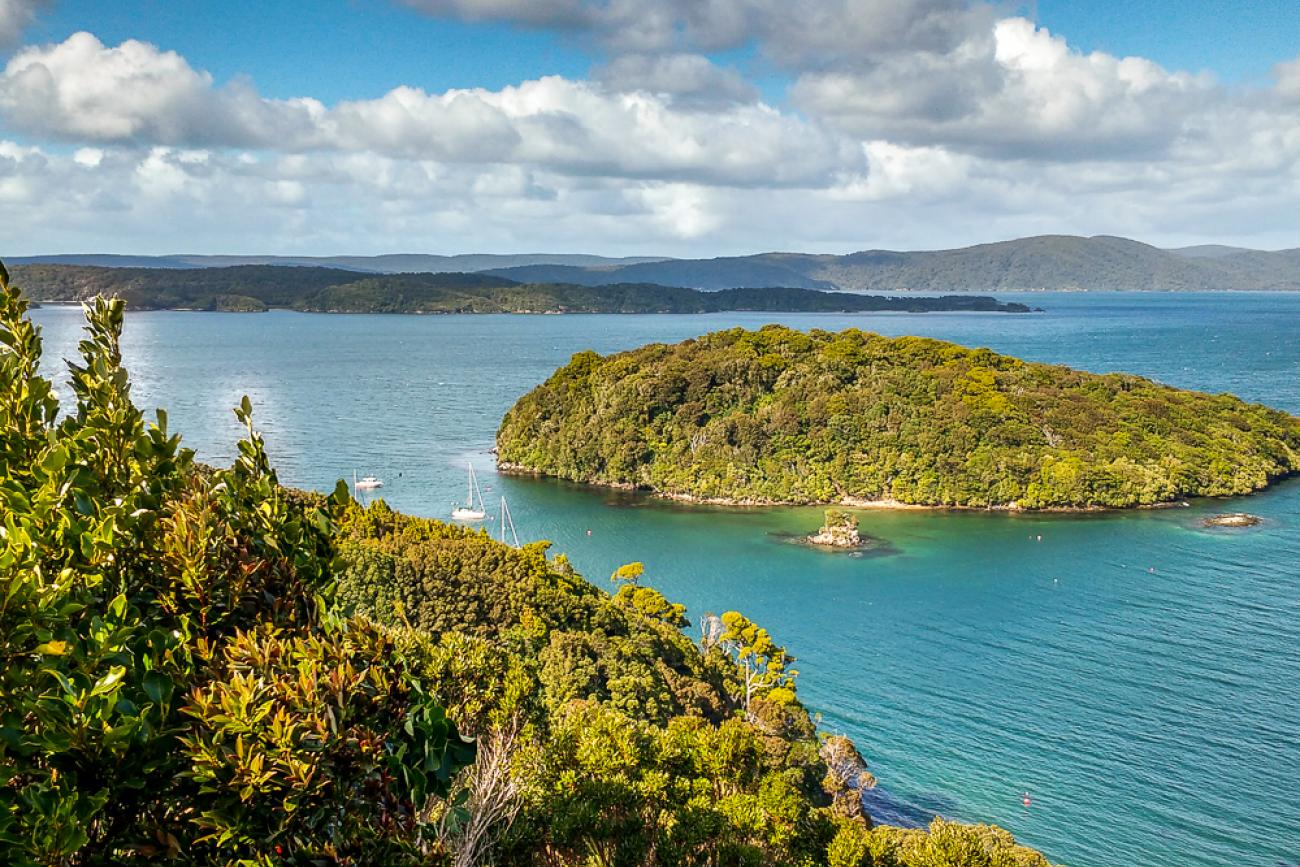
1235 40
332 49
352 49
327 126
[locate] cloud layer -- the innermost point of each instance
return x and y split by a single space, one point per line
905 123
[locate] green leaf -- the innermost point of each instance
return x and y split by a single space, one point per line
157 686
110 681
55 459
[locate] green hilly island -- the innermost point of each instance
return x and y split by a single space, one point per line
255 288
782 416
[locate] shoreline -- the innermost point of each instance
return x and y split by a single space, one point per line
882 504
270 309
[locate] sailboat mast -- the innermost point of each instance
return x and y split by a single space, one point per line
506 519
474 490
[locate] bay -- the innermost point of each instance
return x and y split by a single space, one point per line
1136 674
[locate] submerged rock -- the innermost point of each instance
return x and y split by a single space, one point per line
1232 519
840 531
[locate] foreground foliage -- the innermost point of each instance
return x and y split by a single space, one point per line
777 415
173 685
623 741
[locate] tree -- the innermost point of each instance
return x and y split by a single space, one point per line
629 572
173 683
763 663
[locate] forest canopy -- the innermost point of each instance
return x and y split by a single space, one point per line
254 288
783 416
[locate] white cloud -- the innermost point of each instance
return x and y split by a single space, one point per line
15 17
1288 78
1014 91
688 79
810 33
82 90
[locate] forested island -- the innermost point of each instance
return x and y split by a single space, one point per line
203 666
782 416
254 288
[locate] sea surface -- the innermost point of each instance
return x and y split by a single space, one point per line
1136 674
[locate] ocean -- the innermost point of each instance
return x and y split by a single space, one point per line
1137 674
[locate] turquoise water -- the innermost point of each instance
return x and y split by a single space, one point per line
1137 674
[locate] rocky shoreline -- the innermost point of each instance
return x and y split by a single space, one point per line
847 501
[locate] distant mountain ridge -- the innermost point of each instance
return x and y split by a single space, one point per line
1044 262
1047 262
392 263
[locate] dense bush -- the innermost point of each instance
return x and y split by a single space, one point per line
777 415
173 685
617 739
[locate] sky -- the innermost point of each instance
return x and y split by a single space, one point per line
643 127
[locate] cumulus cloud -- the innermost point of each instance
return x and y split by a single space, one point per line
811 33
689 79
15 17
158 199
82 90
1016 90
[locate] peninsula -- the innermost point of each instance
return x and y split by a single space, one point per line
780 416
255 288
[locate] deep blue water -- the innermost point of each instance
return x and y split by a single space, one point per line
1137 674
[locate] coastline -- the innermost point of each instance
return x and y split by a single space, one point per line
883 504
552 312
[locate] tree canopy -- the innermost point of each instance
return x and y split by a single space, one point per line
782 416
252 288
174 685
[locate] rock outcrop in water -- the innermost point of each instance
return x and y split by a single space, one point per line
1232 519
781 416
839 531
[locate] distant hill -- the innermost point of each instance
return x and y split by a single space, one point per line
1099 263
253 288
396 263
709 274
1027 264
1210 251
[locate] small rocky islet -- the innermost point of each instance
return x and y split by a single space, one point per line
840 531
1232 519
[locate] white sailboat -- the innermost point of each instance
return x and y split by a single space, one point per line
365 483
508 522
470 511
